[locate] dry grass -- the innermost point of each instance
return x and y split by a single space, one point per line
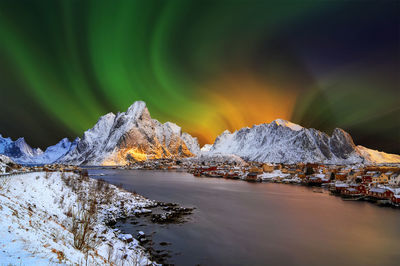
85 215
83 221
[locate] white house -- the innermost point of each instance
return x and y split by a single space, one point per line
394 179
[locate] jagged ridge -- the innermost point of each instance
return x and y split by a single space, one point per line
20 151
129 136
284 142
133 135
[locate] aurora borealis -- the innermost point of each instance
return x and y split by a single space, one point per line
205 65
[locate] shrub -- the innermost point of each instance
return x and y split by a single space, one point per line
83 220
100 184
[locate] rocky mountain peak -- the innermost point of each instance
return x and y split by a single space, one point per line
285 123
131 135
137 109
341 143
282 141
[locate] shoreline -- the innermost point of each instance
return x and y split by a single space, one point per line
64 217
73 190
358 185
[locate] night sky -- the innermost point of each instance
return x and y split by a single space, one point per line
205 65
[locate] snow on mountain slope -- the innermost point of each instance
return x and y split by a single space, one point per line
284 142
55 152
131 135
19 151
4 143
4 162
22 153
206 148
377 157
281 122
191 143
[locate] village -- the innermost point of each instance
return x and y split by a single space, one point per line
377 184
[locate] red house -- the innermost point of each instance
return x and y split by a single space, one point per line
339 187
366 179
396 199
351 191
380 193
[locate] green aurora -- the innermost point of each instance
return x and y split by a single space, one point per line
205 65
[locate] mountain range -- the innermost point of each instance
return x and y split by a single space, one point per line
20 151
122 138
284 142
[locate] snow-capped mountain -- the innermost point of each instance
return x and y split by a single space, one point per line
20 151
55 152
129 136
117 139
284 142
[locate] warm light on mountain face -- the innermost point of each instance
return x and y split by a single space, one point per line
125 156
204 65
122 157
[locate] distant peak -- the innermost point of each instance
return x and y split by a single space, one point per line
21 140
38 151
64 142
285 123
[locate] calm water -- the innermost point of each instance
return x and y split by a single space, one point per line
240 223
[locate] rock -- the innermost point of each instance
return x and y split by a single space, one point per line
146 211
111 223
143 240
126 237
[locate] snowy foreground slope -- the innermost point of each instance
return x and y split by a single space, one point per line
132 134
284 142
39 212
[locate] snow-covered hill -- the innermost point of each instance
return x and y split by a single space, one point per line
41 215
284 142
131 135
